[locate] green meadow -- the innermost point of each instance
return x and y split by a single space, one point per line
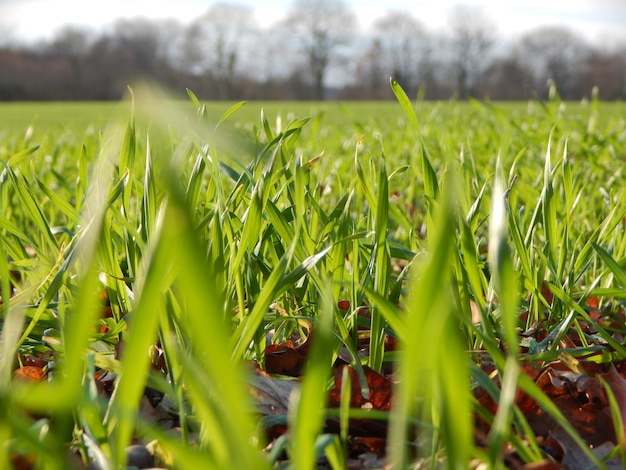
297 285
50 115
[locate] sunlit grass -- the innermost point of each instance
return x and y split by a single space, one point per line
446 220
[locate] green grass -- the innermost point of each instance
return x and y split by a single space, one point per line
207 227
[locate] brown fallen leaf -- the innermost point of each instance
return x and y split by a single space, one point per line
288 357
271 394
578 395
380 389
618 386
271 399
30 373
379 398
574 458
580 399
23 462
285 359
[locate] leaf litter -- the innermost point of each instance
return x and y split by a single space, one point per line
577 387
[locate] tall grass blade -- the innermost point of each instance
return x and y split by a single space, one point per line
32 207
230 111
405 103
612 265
503 276
382 267
307 407
224 411
548 207
430 320
153 281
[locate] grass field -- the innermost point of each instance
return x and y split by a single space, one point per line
306 284
53 115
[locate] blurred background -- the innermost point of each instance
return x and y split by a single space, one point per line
313 49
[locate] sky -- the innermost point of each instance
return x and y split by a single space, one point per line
599 21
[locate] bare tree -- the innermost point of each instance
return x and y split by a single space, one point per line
508 79
372 73
142 41
215 42
132 50
405 46
554 53
605 70
71 41
323 27
171 36
73 44
473 34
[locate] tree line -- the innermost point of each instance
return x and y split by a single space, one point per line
316 52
